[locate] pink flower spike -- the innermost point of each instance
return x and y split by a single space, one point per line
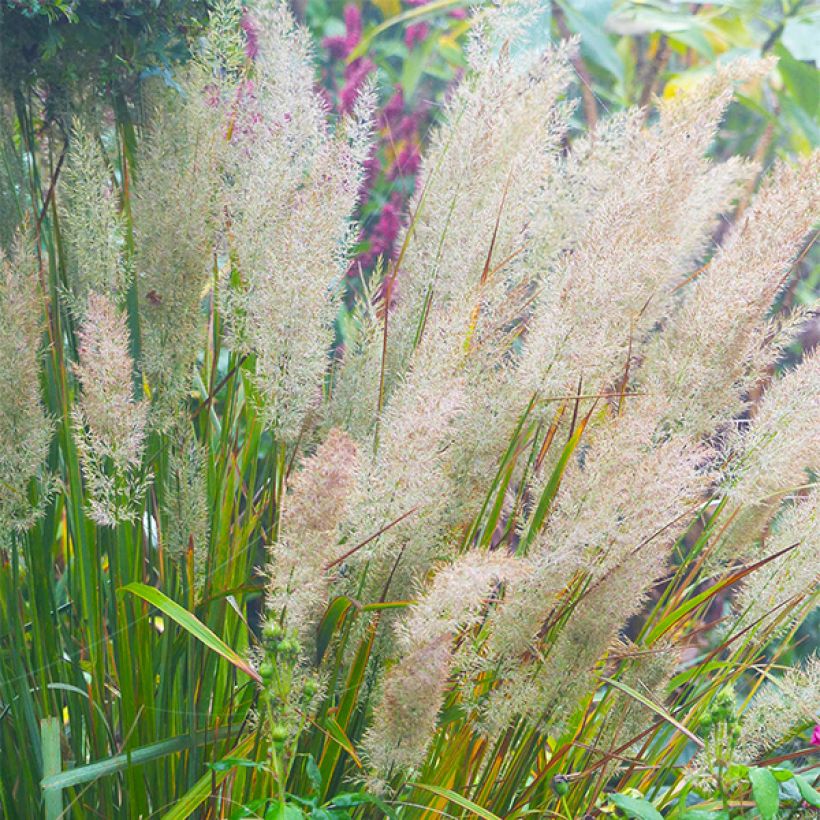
353 24
815 736
336 47
340 47
251 35
416 33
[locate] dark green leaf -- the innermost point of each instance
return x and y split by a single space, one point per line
635 807
807 791
766 792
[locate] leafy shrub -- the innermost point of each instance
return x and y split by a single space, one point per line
480 564
70 50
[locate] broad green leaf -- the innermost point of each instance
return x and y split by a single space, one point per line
801 81
50 737
349 800
314 774
191 624
283 811
703 814
801 36
594 39
782 775
635 807
228 763
807 791
766 792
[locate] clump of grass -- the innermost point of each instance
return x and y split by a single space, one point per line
498 555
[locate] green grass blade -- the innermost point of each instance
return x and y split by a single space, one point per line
191 624
117 763
459 800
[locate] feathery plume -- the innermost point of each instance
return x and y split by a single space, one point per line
173 211
109 423
780 710
185 504
653 209
405 719
94 227
774 455
319 496
292 189
714 349
25 430
771 593
404 484
547 688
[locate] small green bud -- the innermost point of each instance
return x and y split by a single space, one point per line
271 631
288 647
560 784
266 671
279 733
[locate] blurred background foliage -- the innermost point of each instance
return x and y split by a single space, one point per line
58 55
67 54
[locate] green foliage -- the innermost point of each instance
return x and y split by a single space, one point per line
88 50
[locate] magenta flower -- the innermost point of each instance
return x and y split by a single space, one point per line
394 107
416 33
407 162
815 736
251 35
340 47
355 75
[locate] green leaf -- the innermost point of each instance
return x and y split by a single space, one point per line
702 814
782 775
766 792
801 81
334 615
551 488
314 774
807 791
327 814
459 800
636 807
228 763
801 35
658 710
50 736
283 811
134 757
594 40
338 734
191 624
202 789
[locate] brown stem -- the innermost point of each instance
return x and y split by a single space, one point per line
590 106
